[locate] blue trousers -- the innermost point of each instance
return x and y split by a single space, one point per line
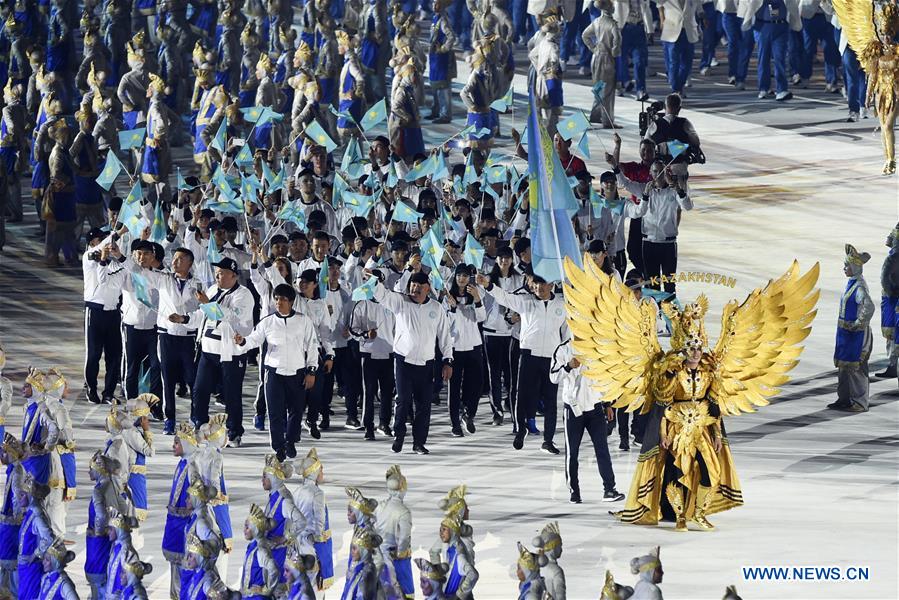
795 52
711 33
633 47
679 61
176 359
772 39
140 352
414 384
739 46
571 33
461 21
285 397
103 338
210 372
523 24
856 84
593 423
816 29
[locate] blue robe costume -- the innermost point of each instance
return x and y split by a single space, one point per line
51 586
351 589
98 547
33 433
9 525
137 483
253 577
849 344
325 553
454 576
348 100
204 115
174 538
274 510
30 569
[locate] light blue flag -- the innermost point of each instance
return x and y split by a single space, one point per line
458 186
360 204
676 148
457 226
213 311
291 212
488 189
220 141
268 115
110 171
431 249
182 183
473 253
483 131
404 213
232 205
574 125
366 291
392 177
552 204
132 138
503 104
441 171
598 88
495 174
471 174
143 380
248 190
252 113
221 183
436 280
158 230
583 146
315 132
135 195
352 160
244 156
267 175
374 115
141 289
341 114
339 189
657 295
212 251
323 279
422 169
275 181
466 131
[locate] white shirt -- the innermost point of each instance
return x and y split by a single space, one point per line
368 315
317 310
292 342
576 390
495 323
543 322
660 213
95 292
464 319
217 337
176 296
134 312
419 327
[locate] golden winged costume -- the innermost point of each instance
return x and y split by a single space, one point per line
871 32
685 470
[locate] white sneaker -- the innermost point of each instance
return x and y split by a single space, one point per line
763 94
563 66
864 113
732 80
830 88
714 62
796 78
687 83
781 96
853 117
704 71
582 71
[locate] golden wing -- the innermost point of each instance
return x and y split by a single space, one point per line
760 339
857 20
613 335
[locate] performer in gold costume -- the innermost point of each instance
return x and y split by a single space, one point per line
685 471
871 28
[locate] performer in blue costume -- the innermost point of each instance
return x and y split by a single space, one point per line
432 577
394 524
56 583
310 500
210 464
280 506
140 440
135 569
11 454
889 300
106 501
441 63
179 509
362 575
261 575
854 341
478 93
352 85
122 549
461 573
156 164
530 584
404 123
39 432
34 531
206 582
297 566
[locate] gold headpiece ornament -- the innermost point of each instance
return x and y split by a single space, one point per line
199 547
57 549
687 323
396 480
265 63
435 572
454 504
123 522
136 47
365 537
886 18
854 257
12 25
610 589
343 38
13 448
248 34
527 559
260 521
281 470
303 54
364 505
298 561
187 434
113 420
201 491
199 54
101 463
52 379
311 463
157 84
215 427
453 522
142 404
137 567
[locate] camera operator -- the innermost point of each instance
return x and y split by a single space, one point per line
662 129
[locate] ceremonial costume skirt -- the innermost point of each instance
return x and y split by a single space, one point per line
87 190
200 147
204 20
368 54
8 158
247 98
328 86
174 538
887 314
30 579
554 93
39 467
262 136
850 348
97 555
130 118
409 141
480 121
40 178
223 78
9 542
438 67
149 169
69 471
137 483
646 502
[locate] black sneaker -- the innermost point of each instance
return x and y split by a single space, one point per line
219 399
156 413
385 430
107 400
838 405
169 427
314 432
575 498
182 392
469 424
259 423
420 449
497 420
281 455
397 446
518 442
291 450
94 397
549 447
325 423
457 432
352 424
370 435
233 442
888 373
624 445
612 495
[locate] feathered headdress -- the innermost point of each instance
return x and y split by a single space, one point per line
281 470
364 505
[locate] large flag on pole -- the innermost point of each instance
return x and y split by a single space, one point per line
552 204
